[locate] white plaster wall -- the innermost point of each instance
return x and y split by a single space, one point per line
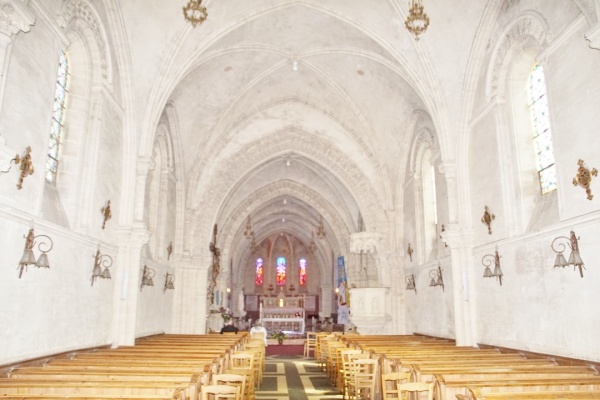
155 304
50 310
430 310
539 307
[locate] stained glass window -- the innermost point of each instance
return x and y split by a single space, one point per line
259 271
302 271
542 134
60 95
280 271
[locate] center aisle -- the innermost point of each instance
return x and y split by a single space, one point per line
293 377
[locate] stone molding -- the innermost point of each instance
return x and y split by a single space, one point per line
14 17
365 242
593 36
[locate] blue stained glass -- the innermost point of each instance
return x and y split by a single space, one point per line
60 95
542 134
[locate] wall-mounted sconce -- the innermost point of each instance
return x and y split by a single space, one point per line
443 235
106 213
169 282
248 233
487 219
147 277
584 178
101 260
436 277
321 229
574 259
28 256
410 283
487 261
169 250
25 164
410 252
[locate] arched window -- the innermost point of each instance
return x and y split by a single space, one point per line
60 95
429 201
259 271
302 271
542 134
280 271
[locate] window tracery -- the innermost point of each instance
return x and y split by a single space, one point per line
60 95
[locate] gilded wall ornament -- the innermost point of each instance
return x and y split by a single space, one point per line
584 178
487 219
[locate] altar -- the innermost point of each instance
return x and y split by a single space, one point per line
283 319
285 313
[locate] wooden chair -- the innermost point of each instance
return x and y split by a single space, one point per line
243 364
417 389
364 379
219 392
348 356
390 383
231 380
310 343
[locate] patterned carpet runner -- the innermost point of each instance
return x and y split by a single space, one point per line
293 377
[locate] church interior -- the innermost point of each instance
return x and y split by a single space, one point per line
165 169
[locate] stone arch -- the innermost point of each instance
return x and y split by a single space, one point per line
238 217
529 26
291 141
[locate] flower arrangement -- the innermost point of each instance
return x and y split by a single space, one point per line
279 335
225 314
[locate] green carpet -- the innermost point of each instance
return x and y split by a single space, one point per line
290 377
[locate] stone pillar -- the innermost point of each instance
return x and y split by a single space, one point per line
190 308
460 244
14 18
127 281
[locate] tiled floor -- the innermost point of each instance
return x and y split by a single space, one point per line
295 378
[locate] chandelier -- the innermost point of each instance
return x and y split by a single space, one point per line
194 12
417 20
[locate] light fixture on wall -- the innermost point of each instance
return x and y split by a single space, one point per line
169 282
574 258
28 256
169 250
321 229
410 283
417 20
487 219
25 164
194 12
101 260
147 276
437 278
248 233
487 261
106 213
584 178
410 252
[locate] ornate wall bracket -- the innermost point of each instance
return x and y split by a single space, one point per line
584 178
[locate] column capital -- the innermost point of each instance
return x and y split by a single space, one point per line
593 36
14 17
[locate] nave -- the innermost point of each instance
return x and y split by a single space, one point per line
293 377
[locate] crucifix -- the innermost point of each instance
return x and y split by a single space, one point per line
216 265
